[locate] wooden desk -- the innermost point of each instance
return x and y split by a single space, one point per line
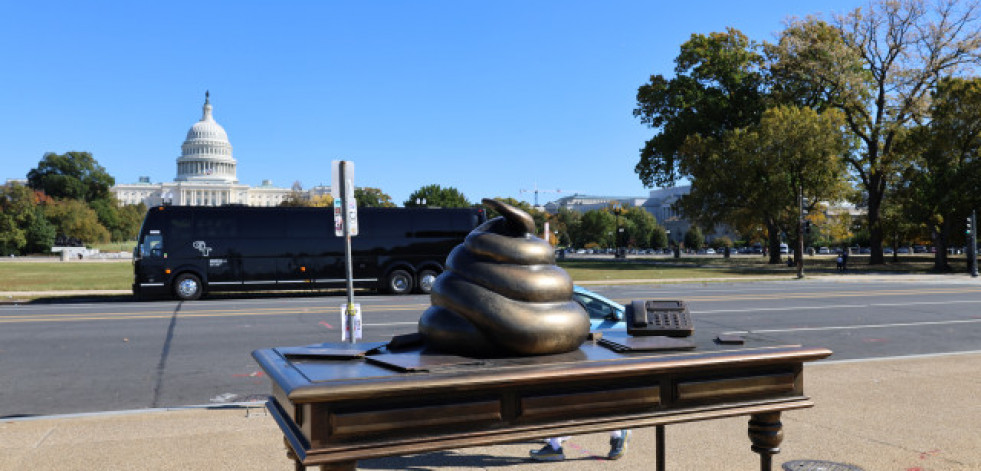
335 411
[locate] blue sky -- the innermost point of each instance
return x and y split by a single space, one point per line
488 97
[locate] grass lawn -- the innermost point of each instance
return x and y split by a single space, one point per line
55 276
640 268
126 246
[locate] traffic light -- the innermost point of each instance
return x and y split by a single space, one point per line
807 227
969 227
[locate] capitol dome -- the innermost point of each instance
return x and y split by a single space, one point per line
206 155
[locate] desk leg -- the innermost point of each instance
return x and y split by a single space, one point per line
659 447
766 433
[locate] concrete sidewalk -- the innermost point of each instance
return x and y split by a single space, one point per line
919 413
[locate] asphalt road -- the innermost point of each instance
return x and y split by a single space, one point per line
58 358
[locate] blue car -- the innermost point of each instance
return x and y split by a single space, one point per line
604 313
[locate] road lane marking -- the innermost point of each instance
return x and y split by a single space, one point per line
837 306
855 327
330 309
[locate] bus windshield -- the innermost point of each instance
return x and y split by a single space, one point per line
152 246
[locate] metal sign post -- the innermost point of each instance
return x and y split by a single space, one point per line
346 210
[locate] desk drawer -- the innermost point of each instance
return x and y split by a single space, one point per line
727 388
411 419
587 403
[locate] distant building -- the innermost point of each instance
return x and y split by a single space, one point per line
658 202
206 174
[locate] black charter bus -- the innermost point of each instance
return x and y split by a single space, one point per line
187 251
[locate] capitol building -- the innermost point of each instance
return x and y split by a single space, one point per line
206 174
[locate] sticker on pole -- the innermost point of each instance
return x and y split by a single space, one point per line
351 322
338 218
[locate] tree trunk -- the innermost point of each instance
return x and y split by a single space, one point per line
773 232
940 242
876 190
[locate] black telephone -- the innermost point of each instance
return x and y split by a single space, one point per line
658 317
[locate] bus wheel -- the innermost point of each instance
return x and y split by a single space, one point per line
187 287
426 280
399 282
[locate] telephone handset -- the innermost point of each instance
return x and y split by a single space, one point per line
658 317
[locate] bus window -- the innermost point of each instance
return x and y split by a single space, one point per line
264 225
152 246
215 226
303 225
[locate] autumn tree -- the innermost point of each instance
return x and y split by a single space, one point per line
295 198
878 66
811 149
23 226
372 198
73 218
567 223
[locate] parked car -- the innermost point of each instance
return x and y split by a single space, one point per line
902 250
710 251
886 250
604 314
824 251
919 249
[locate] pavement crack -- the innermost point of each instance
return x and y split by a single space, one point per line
164 353
44 437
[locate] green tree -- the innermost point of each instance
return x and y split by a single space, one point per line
640 227
73 218
130 219
790 151
122 222
659 237
436 196
878 65
810 147
372 198
39 233
941 185
719 87
567 223
12 237
694 239
596 226
73 175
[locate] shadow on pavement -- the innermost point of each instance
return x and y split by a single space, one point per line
427 461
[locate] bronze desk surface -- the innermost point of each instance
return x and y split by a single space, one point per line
335 411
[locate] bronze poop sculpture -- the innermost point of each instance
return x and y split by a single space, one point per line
502 294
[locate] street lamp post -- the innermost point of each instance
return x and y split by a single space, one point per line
800 232
618 236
